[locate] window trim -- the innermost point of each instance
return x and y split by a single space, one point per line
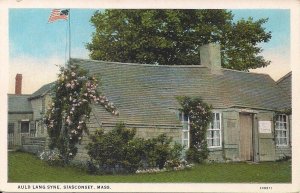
286 130
220 130
183 131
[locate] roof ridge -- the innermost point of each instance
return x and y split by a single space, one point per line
166 66
283 77
18 94
263 74
139 64
38 92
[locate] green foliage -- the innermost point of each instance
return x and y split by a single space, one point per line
52 157
196 155
114 151
174 157
200 116
118 151
173 37
72 95
157 150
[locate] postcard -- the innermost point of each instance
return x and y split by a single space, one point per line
150 96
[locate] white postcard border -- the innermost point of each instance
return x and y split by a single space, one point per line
293 5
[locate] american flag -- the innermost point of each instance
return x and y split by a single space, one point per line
57 14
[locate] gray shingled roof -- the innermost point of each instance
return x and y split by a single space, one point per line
42 91
147 93
19 104
285 83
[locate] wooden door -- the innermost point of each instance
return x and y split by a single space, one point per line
246 144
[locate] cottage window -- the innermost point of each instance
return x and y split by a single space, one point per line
214 131
25 127
185 121
281 130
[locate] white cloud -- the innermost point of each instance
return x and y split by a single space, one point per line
36 72
280 62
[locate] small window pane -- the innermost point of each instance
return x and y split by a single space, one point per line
185 126
277 141
279 133
185 118
210 142
217 142
284 126
180 116
217 116
216 133
284 134
185 143
25 127
218 125
284 141
284 118
185 135
209 134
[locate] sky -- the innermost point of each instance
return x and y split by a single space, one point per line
37 47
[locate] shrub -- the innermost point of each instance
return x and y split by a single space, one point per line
193 154
118 151
174 159
157 150
52 157
114 151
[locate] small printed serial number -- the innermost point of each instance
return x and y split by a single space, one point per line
265 188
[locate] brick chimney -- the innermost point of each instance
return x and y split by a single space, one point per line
18 86
210 56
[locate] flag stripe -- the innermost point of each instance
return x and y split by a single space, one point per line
57 14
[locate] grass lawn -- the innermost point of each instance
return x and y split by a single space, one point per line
25 167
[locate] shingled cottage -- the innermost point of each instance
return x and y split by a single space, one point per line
247 124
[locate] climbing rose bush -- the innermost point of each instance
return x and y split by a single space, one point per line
66 118
200 116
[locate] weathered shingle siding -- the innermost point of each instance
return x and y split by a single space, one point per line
285 84
15 119
19 104
100 118
37 107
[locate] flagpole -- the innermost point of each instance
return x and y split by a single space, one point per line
69 35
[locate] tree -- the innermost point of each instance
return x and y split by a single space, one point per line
173 37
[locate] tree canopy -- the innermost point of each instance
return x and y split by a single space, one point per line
173 37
